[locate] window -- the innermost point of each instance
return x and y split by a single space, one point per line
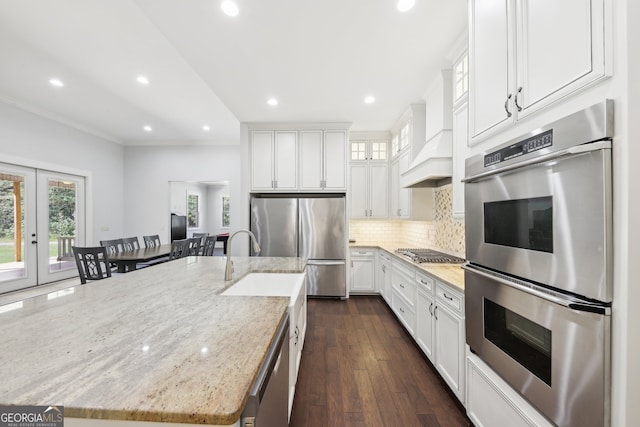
461 77
378 150
226 220
193 211
358 150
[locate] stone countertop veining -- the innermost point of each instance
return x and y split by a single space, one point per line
452 274
157 344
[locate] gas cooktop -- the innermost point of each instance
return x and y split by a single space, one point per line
422 256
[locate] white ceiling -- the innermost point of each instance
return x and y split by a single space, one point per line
319 58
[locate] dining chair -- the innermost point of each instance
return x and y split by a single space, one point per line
113 246
130 244
193 246
92 263
151 241
209 245
178 249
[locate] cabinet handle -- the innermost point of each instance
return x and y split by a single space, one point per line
400 308
505 105
435 312
401 285
423 282
431 309
365 212
447 296
384 268
370 212
516 99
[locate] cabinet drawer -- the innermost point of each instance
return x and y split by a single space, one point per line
404 311
404 284
361 252
450 298
425 283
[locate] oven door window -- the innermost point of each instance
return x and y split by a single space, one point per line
525 341
523 223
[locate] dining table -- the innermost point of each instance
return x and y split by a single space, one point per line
129 260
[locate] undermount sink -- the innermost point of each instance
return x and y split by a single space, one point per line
268 284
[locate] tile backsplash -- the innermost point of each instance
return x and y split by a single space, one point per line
443 233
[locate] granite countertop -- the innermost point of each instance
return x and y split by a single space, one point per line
157 344
452 274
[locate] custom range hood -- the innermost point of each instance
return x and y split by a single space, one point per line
433 163
434 160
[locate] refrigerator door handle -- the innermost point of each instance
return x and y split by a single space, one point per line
328 262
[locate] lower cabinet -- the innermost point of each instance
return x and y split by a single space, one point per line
363 271
383 276
297 333
440 329
491 402
403 295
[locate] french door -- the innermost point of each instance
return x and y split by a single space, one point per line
42 214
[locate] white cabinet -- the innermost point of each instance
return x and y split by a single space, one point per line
492 402
450 339
440 329
323 160
526 54
403 295
273 160
408 203
425 322
369 179
297 333
460 151
363 271
383 275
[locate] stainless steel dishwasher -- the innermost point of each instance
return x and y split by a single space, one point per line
268 404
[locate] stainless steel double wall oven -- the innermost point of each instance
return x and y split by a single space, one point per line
538 281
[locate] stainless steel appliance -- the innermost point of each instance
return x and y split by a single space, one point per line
428 256
308 227
538 282
268 404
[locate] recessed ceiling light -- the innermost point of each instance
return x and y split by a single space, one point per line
147 128
143 80
56 82
369 100
230 8
206 128
405 5
273 102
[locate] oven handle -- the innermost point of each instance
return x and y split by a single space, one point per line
532 289
571 151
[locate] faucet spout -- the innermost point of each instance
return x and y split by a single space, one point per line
228 271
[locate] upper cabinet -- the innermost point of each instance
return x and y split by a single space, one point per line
323 163
526 54
368 184
298 160
273 160
460 133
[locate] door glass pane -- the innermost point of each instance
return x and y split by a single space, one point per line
12 254
63 214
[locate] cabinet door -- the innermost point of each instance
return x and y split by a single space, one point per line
460 146
449 348
311 160
286 160
262 157
394 188
425 325
404 194
491 64
560 48
378 190
335 166
358 190
362 274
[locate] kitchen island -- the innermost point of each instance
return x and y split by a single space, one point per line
158 344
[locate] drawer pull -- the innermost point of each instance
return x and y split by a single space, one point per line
447 296
401 285
400 308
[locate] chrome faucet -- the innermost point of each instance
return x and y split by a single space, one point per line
229 267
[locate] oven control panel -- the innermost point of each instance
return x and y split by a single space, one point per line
520 148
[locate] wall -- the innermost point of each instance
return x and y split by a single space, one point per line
31 140
443 233
148 171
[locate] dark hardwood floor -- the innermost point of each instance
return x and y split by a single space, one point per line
360 368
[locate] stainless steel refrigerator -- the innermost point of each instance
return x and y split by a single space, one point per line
308 227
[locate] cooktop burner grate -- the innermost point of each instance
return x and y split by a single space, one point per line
421 256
